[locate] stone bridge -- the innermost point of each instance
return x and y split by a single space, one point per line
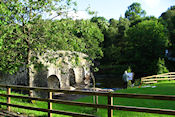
68 70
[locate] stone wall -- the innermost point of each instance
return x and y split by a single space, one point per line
65 72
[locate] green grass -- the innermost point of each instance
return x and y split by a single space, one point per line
44 105
163 88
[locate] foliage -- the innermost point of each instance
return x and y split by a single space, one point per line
129 69
161 67
101 22
114 40
90 37
146 43
168 18
134 11
25 34
22 32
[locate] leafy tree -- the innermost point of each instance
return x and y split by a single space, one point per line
115 40
91 36
146 42
19 19
101 22
169 21
24 33
161 67
134 11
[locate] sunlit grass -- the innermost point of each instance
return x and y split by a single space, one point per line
162 88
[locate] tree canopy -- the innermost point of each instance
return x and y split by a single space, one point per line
136 41
135 11
25 33
147 42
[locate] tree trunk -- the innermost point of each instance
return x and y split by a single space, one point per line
29 71
93 78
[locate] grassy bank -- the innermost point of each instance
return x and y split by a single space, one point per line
163 88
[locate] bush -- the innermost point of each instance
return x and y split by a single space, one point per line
161 67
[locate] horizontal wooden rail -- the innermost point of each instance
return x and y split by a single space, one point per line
150 82
154 78
124 95
58 101
158 79
110 105
143 109
115 107
47 110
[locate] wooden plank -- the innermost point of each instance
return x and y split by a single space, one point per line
148 77
8 98
66 102
159 75
149 82
145 96
146 110
158 79
57 90
161 97
47 110
165 75
116 107
49 104
110 103
124 95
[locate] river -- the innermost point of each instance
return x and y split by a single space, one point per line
108 81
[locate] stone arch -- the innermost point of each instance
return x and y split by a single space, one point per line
53 82
72 80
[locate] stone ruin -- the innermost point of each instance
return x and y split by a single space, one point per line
69 70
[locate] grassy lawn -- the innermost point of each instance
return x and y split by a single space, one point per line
163 88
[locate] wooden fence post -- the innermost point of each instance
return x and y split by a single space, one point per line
50 104
8 98
95 100
110 102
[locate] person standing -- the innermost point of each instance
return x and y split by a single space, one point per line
125 79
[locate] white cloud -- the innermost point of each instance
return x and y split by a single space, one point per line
78 15
152 3
71 14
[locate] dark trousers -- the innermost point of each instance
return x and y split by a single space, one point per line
125 85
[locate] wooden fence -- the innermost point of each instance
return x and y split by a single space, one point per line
110 107
155 78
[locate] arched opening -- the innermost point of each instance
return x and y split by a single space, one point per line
72 77
53 82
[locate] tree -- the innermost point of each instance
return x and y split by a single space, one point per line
115 40
23 33
168 18
90 36
134 11
101 22
146 43
161 67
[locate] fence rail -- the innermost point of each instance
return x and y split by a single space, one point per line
155 78
110 107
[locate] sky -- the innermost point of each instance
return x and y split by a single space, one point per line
116 8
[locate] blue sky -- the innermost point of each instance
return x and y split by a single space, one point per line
116 8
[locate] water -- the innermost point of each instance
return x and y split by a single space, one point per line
109 81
